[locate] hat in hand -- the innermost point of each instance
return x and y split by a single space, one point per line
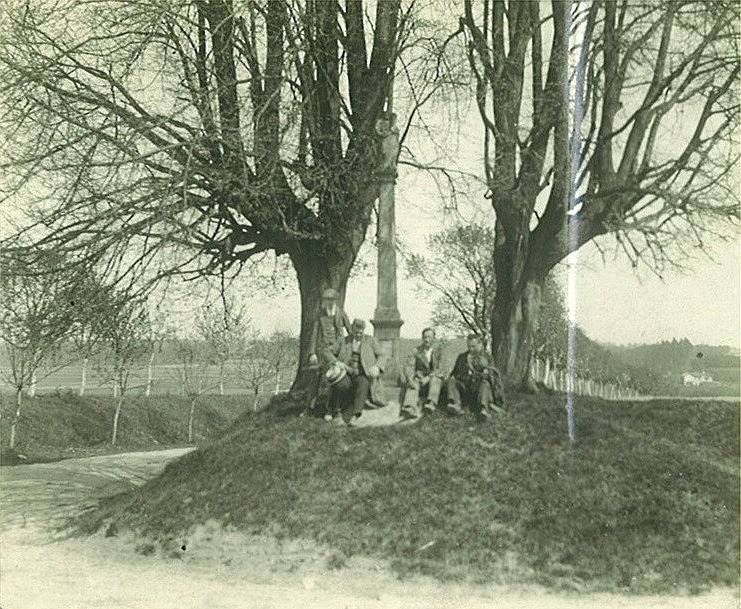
335 373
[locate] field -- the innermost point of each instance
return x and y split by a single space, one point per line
725 375
165 381
647 502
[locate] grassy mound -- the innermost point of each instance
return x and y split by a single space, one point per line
65 425
648 502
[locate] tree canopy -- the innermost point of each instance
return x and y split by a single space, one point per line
608 117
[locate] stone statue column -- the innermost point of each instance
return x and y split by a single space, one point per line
386 319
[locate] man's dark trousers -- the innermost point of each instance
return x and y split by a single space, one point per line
476 392
361 390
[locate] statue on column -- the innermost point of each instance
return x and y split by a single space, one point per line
388 134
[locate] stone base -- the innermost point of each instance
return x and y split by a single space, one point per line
386 331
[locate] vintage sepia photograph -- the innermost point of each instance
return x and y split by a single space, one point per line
370 304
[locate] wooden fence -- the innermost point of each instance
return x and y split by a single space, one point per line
559 379
157 379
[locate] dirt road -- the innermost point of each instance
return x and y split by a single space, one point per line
216 568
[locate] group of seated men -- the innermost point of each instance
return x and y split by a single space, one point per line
352 366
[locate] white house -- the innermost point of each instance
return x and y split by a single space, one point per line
695 379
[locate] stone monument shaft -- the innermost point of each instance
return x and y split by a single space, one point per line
386 319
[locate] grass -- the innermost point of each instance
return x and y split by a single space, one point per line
646 503
63 424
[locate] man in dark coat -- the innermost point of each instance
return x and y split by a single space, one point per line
327 335
421 378
361 356
326 340
475 381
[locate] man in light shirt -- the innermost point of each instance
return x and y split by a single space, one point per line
361 356
422 380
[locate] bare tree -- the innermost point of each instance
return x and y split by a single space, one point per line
36 313
459 269
160 330
192 374
613 117
224 330
91 301
263 360
214 130
281 352
126 343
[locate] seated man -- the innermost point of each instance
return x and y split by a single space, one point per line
476 381
361 356
421 379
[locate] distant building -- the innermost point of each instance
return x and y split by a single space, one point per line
695 379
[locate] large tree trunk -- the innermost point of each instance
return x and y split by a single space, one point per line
516 306
315 273
514 330
16 417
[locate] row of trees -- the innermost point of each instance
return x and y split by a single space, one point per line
191 137
57 314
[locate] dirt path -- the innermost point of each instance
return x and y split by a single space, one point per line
218 569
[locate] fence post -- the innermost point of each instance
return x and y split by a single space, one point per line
148 390
32 386
547 372
83 377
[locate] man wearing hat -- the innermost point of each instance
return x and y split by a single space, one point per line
326 338
361 356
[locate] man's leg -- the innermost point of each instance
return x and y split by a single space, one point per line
361 388
432 393
454 395
331 404
409 402
322 391
484 399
